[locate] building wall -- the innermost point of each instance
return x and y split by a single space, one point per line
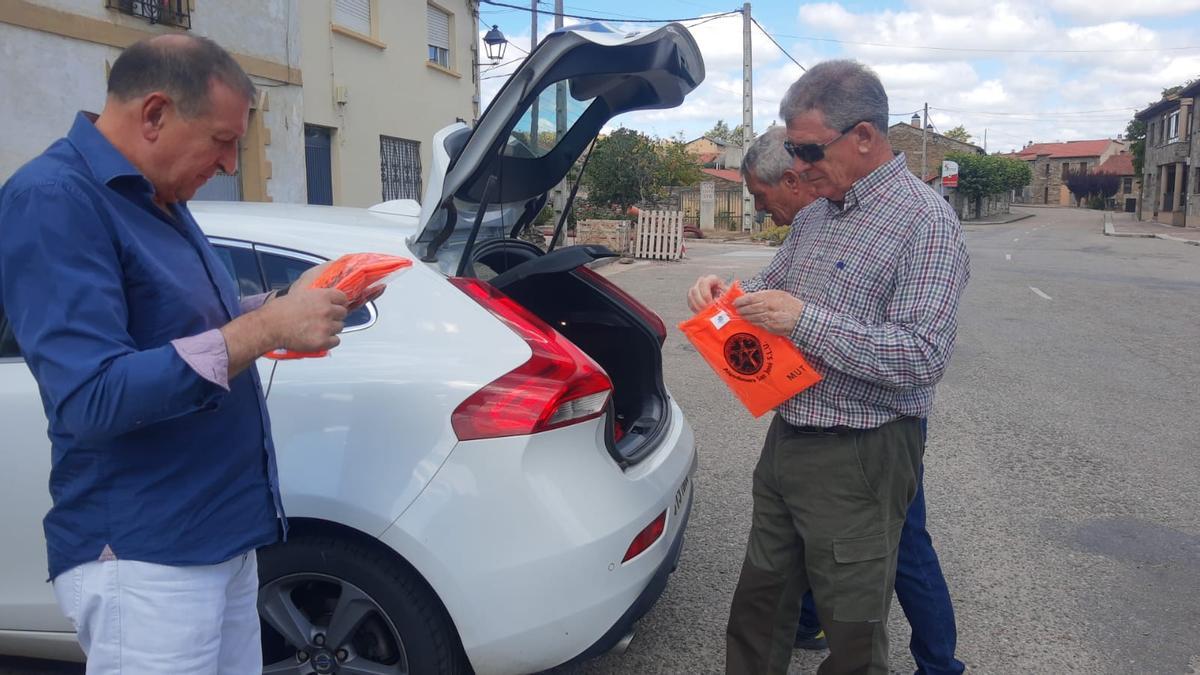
1184 156
907 139
390 86
64 48
1050 189
704 146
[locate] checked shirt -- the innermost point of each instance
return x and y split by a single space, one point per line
880 277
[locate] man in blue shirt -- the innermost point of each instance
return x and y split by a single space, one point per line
163 473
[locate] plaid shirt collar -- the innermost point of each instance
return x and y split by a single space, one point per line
869 186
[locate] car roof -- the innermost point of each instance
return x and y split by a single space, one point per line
324 230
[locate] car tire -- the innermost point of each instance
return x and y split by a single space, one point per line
350 602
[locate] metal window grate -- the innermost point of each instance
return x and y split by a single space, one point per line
400 168
167 12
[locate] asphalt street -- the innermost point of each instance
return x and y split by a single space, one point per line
1062 469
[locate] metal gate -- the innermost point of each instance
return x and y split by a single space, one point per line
400 168
318 164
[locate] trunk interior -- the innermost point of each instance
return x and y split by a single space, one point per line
605 329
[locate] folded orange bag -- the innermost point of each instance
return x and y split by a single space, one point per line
357 275
761 368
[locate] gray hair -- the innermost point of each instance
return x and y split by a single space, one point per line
183 66
767 159
844 91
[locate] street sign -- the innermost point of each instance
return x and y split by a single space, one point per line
949 173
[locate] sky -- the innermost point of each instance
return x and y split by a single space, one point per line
1113 57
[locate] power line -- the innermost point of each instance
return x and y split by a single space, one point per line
711 18
1052 113
985 49
601 18
776 43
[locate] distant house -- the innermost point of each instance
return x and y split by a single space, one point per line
1052 162
1130 190
907 137
715 152
1172 195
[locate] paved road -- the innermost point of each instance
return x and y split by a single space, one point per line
1062 466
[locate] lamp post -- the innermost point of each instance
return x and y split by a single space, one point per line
494 44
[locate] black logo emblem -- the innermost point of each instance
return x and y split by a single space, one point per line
744 353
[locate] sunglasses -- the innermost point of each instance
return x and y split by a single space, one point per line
811 153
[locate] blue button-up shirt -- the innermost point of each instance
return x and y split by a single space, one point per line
151 461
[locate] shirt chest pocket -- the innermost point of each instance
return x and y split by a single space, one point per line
862 288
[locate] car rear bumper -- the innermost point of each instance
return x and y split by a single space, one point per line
648 598
523 540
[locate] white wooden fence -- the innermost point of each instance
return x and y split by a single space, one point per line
659 235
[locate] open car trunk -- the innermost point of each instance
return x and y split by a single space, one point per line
615 330
489 182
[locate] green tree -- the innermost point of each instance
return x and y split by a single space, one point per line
958 133
983 175
677 166
1135 133
720 131
624 169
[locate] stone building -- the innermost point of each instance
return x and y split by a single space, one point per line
1052 162
906 138
1171 171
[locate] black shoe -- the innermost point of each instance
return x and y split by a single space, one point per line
814 640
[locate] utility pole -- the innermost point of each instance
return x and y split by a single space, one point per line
985 140
533 116
747 114
924 140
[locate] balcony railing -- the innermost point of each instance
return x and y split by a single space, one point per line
167 12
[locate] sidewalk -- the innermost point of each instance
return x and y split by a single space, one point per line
1000 218
1126 225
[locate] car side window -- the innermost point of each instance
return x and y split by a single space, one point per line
243 267
8 341
281 271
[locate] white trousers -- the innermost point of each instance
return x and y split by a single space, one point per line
137 618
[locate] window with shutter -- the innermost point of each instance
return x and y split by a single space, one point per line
439 36
353 14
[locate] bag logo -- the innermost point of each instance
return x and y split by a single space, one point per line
744 353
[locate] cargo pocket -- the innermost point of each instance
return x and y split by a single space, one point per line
860 576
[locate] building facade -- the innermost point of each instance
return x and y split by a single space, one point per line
383 77
1171 171
59 51
1129 193
1051 163
907 138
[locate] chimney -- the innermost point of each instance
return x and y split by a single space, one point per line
916 121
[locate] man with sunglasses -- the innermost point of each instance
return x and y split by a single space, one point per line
867 286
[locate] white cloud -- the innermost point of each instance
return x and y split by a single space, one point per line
1016 96
1121 9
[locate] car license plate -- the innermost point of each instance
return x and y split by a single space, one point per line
681 495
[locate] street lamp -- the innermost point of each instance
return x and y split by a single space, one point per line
495 44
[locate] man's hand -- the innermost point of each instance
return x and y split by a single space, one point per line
307 319
775 311
310 275
707 288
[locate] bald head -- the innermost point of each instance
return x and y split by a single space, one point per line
184 67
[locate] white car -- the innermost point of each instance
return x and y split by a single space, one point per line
489 473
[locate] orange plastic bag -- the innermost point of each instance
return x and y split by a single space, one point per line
357 275
761 368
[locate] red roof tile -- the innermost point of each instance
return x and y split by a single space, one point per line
706 157
1121 165
731 175
1068 149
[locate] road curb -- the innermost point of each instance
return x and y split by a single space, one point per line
999 222
1111 231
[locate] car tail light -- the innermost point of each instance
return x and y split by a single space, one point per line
646 537
653 320
558 386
